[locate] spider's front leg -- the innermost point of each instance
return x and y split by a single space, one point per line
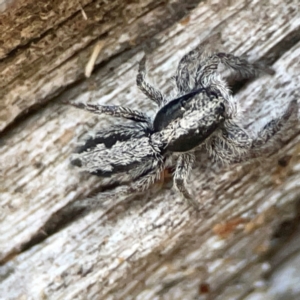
275 125
183 168
151 92
235 145
208 77
242 67
186 69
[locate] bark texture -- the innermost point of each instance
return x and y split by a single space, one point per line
244 243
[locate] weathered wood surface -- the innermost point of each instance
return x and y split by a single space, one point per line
246 238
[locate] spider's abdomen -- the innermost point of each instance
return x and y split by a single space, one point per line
131 157
109 137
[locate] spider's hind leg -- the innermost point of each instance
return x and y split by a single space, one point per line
151 92
114 111
138 185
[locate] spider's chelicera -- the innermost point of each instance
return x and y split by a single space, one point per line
202 113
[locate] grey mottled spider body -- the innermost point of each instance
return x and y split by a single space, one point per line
202 113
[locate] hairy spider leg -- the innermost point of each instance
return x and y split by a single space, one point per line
184 72
151 92
137 186
183 168
242 67
114 111
143 183
208 77
236 142
272 127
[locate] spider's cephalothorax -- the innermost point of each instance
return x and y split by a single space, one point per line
202 113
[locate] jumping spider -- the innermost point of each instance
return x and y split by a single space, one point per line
202 113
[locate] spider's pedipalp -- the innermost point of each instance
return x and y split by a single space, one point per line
151 92
114 111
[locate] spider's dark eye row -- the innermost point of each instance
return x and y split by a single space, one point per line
222 107
212 94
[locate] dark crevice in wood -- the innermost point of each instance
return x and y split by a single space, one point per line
283 46
66 216
92 6
56 222
23 47
282 242
58 94
71 213
146 43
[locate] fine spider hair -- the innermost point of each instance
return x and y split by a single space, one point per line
202 113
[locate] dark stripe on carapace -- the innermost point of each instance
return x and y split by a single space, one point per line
173 110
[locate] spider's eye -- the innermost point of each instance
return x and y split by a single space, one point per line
220 109
214 94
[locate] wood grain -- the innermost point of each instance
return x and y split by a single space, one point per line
153 246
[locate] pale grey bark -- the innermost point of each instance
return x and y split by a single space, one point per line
243 244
